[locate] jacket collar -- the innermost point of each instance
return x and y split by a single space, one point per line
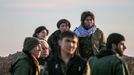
105 53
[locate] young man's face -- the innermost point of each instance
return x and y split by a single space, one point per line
88 22
36 51
121 48
68 45
64 27
42 35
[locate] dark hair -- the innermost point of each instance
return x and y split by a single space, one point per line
85 14
68 34
114 38
63 21
39 29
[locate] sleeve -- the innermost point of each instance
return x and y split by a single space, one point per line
22 68
102 42
121 69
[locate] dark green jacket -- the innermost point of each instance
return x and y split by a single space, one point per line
108 63
23 65
53 42
90 46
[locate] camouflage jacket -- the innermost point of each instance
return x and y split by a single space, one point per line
91 45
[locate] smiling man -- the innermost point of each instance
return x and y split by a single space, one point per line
68 62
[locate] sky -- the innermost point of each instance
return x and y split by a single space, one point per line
19 19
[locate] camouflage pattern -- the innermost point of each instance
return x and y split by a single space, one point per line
89 46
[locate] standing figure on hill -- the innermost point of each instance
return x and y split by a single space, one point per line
91 38
41 33
62 25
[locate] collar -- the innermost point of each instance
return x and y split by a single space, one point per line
105 53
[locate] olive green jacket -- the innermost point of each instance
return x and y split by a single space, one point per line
108 63
23 65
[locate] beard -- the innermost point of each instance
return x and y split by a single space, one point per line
118 51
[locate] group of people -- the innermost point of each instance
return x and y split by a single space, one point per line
84 51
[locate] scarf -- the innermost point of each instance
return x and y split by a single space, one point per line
82 32
37 65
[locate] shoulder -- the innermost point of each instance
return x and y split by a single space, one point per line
114 59
77 30
22 59
54 35
121 65
22 62
119 59
98 34
98 31
92 60
57 32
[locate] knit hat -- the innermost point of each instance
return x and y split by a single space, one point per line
63 21
29 44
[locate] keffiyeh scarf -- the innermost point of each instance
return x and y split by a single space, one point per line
82 32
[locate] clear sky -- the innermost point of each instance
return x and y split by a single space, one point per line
19 18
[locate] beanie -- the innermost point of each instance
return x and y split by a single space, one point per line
29 44
63 21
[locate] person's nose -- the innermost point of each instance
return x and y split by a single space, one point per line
125 47
71 44
64 27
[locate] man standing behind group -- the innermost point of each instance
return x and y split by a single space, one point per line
91 38
41 33
62 25
68 62
109 62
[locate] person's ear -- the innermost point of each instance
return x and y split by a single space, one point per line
59 42
113 46
37 34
